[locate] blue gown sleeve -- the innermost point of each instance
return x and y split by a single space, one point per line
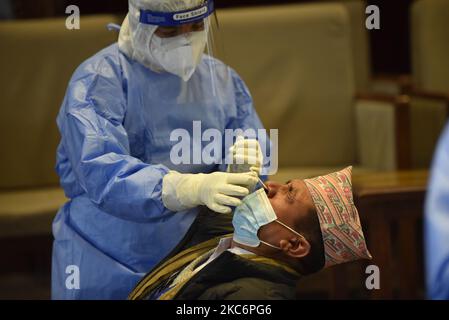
247 117
437 223
97 147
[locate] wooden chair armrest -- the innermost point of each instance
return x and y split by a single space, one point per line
430 95
396 83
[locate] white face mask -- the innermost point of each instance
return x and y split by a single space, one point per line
179 55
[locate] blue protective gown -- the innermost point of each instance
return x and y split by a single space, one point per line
437 223
115 124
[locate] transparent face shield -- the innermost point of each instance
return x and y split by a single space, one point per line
180 38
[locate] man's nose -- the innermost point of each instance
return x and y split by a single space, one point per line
273 188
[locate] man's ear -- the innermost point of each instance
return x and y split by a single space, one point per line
295 247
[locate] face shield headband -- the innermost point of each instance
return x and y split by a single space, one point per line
173 19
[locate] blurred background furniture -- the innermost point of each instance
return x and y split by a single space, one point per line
426 86
430 45
304 85
429 20
428 106
366 80
38 59
389 46
392 206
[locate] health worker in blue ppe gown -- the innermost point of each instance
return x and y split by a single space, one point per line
130 202
437 223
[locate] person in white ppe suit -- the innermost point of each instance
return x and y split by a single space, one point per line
130 205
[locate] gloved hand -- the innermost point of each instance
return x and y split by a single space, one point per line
246 156
216 190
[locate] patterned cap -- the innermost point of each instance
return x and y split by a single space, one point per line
339 220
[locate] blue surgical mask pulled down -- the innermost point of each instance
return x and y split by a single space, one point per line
254 212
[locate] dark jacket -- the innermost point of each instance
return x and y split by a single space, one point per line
228 277
231 277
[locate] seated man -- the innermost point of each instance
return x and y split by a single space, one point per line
296 229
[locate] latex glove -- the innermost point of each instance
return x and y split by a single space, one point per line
217 190
246 156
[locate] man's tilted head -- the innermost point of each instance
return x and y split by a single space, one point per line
294 207
313 224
